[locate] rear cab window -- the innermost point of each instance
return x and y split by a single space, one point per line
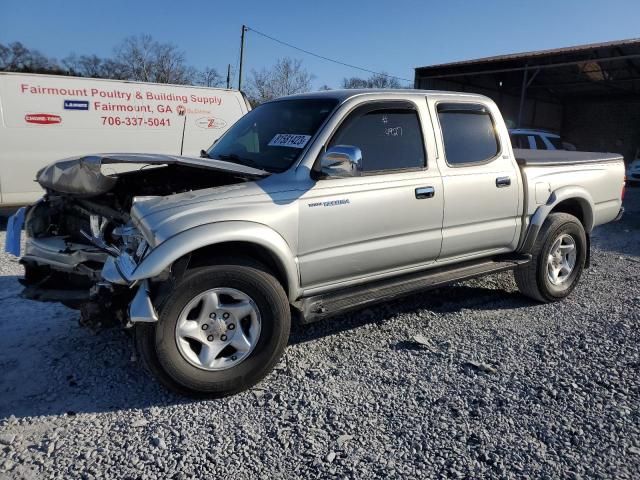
468 133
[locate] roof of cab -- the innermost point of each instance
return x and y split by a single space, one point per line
342 95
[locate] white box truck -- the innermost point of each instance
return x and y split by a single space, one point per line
44 118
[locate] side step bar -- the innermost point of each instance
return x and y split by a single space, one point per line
322 306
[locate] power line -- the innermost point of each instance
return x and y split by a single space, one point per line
327 58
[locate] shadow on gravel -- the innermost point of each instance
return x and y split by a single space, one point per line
50 365
443 300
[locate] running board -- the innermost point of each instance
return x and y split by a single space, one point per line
319 307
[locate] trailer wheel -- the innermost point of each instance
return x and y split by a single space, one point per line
558 259
220 331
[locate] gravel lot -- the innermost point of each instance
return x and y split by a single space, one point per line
495 386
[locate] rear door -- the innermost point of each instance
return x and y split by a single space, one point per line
480 180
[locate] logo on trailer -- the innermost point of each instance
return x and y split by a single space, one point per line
76 105
181 110
42 118
211 122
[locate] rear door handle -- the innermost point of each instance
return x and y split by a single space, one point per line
425 192
503 182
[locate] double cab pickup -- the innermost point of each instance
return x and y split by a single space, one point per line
308 206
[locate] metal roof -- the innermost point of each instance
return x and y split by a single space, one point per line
583 70
539 53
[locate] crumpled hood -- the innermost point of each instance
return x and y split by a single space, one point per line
82 175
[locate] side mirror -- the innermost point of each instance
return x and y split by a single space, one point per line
204 154
341 161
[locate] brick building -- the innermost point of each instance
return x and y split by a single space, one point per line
590 94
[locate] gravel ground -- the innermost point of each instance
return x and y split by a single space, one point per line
471 380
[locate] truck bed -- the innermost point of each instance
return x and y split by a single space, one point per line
545 158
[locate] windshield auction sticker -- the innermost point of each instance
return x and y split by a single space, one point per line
289 140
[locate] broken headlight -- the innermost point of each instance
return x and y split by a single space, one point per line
132 241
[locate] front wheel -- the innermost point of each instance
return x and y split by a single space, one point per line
557 262
221 330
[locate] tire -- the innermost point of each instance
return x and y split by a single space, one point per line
534 279
174 359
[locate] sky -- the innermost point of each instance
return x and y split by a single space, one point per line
393 36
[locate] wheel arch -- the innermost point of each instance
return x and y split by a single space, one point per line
205 256
250 239
573 200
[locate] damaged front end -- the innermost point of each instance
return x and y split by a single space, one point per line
81 244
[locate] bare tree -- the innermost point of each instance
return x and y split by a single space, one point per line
144 59
15 57
354 82
260 86
377 80
135 54
5 54
324 88
113 69
209 77
84 65
286 77
71 63
170 65
382 80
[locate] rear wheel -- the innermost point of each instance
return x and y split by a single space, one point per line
220 331
558 260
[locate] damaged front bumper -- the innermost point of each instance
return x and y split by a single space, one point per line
103 276
141 309
118 271
62 255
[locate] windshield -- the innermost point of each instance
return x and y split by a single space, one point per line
272 136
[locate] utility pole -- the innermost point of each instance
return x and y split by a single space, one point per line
244 29
229 75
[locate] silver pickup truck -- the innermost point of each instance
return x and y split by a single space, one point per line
309 206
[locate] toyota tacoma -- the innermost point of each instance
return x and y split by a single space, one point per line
307 207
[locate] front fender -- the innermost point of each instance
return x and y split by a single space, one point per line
557 196
190 240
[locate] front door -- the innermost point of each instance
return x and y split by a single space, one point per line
380 221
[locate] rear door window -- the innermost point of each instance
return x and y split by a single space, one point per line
468 133
540 145
556 142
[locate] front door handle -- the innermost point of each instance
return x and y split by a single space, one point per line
503 182
425 192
